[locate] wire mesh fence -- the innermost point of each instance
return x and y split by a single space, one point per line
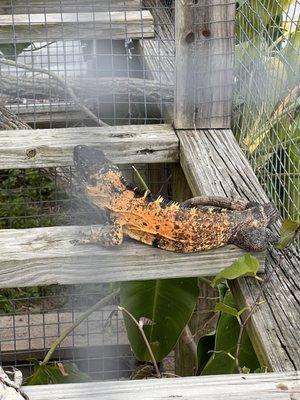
30 323
93 47
266 99
117 57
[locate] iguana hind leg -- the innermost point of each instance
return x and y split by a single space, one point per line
217 201
107 235
255 239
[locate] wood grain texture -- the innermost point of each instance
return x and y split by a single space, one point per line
46 113
50 6
91 89
284 386
204 34
42 256
22 28
159 52
215 165
54 147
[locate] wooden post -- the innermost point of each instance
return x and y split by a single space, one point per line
204 37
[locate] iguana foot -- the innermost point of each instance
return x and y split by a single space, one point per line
106 235
255 239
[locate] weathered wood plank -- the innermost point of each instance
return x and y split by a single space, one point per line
159 52
22 28
284 386
51 113
215 165
204 34
50 6
54 147
42 256
16 85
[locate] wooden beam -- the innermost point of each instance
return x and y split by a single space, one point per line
284 386
54 147
42 256
215 165
22 28
50 6
48 113
204 34
158 53
120 89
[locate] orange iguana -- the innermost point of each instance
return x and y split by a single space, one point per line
180 228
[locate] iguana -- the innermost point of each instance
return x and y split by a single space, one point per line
170 226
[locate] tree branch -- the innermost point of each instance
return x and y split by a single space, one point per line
61 81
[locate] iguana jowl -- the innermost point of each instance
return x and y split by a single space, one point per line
168 226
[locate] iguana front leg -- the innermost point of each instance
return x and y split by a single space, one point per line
107 235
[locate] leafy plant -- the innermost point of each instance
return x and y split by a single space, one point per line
165 305
56 373
26 198
246 265
267 96
222 360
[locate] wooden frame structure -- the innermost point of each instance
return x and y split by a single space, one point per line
213 164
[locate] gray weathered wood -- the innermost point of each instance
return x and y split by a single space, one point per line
204 33
18 86
284 386
54 147
21 28
42 256
159 52
49 6
215 165
46 113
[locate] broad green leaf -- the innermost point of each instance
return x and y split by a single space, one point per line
57 373
222 307
206 344
288 233
168 304
246 265
227 332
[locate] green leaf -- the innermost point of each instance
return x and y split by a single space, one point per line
12 50
254 17
168 304
288 233
206 344
246 265
57 373
222 307
227 332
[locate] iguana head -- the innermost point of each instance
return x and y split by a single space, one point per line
88 161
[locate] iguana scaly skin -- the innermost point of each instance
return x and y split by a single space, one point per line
168 226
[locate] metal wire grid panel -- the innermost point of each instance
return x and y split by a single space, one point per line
30 323
266 98
34 197
94 47
99 346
